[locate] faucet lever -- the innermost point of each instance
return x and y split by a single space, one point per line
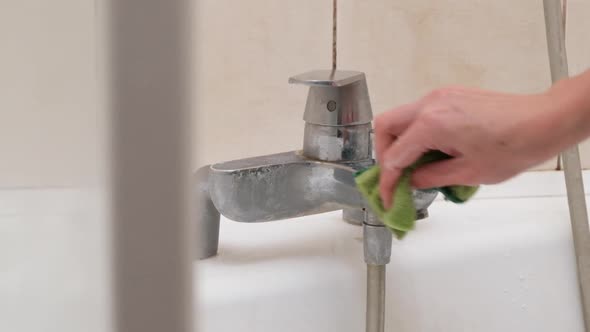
335 98
328 78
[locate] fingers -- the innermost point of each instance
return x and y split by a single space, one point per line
401 154
390 125
387 182
455 171
410 146
383 140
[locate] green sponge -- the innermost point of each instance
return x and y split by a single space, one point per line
401 217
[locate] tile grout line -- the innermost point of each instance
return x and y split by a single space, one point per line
334 33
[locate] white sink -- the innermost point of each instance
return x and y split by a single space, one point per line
53 262
502 262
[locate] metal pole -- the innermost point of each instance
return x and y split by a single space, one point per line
375 316
149 113
571 159
377 251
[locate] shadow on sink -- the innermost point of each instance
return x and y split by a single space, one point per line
296 238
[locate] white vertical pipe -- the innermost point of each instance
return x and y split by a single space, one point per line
149 111
571 158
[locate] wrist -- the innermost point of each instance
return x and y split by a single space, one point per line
569 101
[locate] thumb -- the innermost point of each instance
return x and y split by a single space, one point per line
455 171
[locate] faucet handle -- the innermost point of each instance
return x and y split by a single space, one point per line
336 97
333 78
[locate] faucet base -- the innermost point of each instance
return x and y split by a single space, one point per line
206 216
355 216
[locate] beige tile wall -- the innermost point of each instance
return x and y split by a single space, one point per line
246 50
48 104
578 47
406 47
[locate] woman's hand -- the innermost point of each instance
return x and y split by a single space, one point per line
492 136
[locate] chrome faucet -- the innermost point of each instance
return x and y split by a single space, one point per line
337 142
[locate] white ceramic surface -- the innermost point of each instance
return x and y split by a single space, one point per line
503 262
53 262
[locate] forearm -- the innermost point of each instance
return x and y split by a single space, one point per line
573 99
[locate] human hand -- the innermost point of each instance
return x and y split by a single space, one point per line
491 136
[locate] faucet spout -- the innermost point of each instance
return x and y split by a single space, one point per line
282 186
